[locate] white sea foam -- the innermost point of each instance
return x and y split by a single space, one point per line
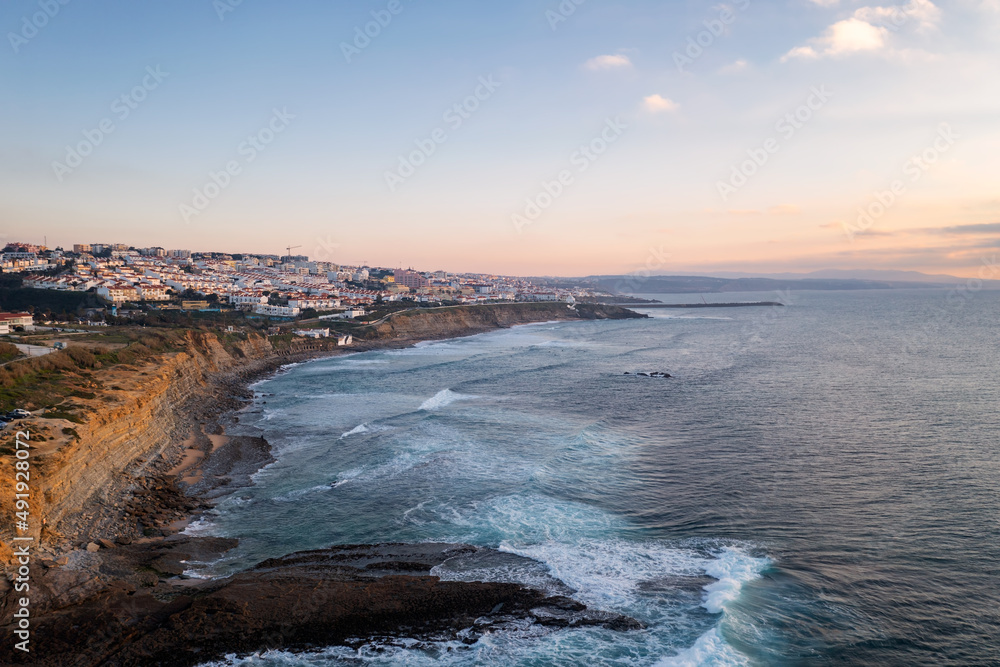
444 398
391 468
271 414
195 574
293 496
608 574
360 428
732 568
200 526
710 649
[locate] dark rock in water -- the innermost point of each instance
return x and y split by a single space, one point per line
300 601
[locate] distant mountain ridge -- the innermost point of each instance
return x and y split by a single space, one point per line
827 280
846 274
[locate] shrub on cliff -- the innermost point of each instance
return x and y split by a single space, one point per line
8 352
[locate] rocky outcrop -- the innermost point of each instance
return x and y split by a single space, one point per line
304 600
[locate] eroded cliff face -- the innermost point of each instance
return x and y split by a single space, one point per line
139 414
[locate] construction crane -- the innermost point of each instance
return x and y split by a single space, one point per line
290 249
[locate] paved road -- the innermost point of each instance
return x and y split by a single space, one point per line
34 350
31 351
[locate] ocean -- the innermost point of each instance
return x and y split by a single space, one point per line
817 484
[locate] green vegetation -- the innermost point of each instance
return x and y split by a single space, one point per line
63 414
17 299
8 352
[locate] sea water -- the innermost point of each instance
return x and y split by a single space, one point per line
816 484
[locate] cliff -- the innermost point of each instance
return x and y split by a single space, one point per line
456 321
118 431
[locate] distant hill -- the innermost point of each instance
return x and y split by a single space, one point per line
849 274
710 284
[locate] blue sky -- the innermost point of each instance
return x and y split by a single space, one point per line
663 187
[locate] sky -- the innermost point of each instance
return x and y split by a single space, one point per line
521 137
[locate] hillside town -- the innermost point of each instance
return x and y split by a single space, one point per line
271 286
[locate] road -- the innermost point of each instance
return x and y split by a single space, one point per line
34 350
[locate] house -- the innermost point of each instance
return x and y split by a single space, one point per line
117 292
344 341
14 320
275 311
348 314
312 333
247 298
153 293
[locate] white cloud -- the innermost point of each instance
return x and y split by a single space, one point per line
734 68
869 30
854 35
924 13
608 62
802 52
659 104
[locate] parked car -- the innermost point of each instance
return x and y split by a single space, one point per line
18 414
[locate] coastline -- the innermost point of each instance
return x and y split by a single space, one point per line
137 571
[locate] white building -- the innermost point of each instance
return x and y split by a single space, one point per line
313 333
348 314
149 292
11 320
247 298
117 293
275 311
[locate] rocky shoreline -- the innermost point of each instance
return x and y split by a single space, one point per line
309 600
123 599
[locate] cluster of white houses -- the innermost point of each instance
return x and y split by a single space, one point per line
268 286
